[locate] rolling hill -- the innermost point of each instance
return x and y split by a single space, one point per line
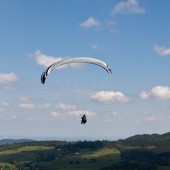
149 152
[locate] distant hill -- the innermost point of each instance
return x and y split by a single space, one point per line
143 137
12 141
165 136
145 140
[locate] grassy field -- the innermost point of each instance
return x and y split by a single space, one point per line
25 149
85 160
102 153
62 159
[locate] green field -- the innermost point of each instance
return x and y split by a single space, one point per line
47 157
85 160
25 149
102 153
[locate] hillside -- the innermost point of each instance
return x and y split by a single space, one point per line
165 136
134 153
161 142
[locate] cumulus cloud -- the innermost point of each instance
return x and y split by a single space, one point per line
45 60
26 105
161 50
90 22
81 112
109 96
144 95
157 92
129 6
8 78
54 114
64 106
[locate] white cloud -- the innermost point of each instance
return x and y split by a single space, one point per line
109 96
81 112
90 22
26 105
158 92
44 106
145 95
162 92
54 114
153 118
8 78
64 106
130 6
45 60
163 51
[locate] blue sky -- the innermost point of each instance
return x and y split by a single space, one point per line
131 36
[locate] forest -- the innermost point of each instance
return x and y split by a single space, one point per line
149 152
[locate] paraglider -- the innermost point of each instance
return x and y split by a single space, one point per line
73 60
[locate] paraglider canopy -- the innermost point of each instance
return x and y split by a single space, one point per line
74 60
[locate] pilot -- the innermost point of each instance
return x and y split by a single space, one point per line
43 77
83 119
